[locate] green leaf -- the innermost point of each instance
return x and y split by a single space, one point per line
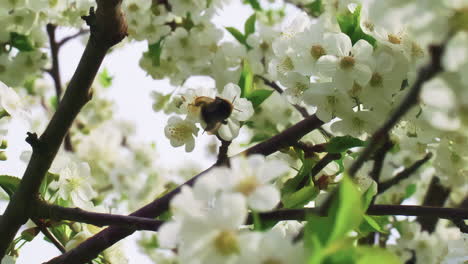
154 52
410 190
30 233
372 255
258 137
350 25
249 26
254 3
9 184
246 80
315 8
373 224
346 211
291 185
53 102
262 225
368 195
45 183
340 144
258 96
21 42
105 79
301 197
237 35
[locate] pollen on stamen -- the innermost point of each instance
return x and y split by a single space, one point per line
347 62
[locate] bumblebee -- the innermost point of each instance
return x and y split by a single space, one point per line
214 112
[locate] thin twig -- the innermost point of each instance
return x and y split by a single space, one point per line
310 149
379 158
49 235
108 28
55 74
66 39
44 210
405 174
425 74
276 87
329 157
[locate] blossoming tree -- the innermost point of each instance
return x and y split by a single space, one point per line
349 110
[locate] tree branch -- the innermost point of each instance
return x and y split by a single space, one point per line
90 249
436 195
49 211
404 210
223 158
405 174
379 159
55 74
425 74
108 27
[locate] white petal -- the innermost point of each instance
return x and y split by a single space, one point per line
339 44
229 212
272 169
327 65
168 234
243 109
264 198
362 50
230 131
361 73
230 92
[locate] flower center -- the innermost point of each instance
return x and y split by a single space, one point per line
180 131
133 7
355 90
347 62
286 65
394 39
272 261
376 79
247 185
226 243
459 20
317 51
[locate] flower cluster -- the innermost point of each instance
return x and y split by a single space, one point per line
217 113
208 218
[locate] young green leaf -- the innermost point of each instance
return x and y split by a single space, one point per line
350 25
105 79
21 42
249 26
258 96
340 144
346 211
371 255
9 184
315 8
246 80
301 197
154 52
368 195
373 224
237 35
410 190
254 3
